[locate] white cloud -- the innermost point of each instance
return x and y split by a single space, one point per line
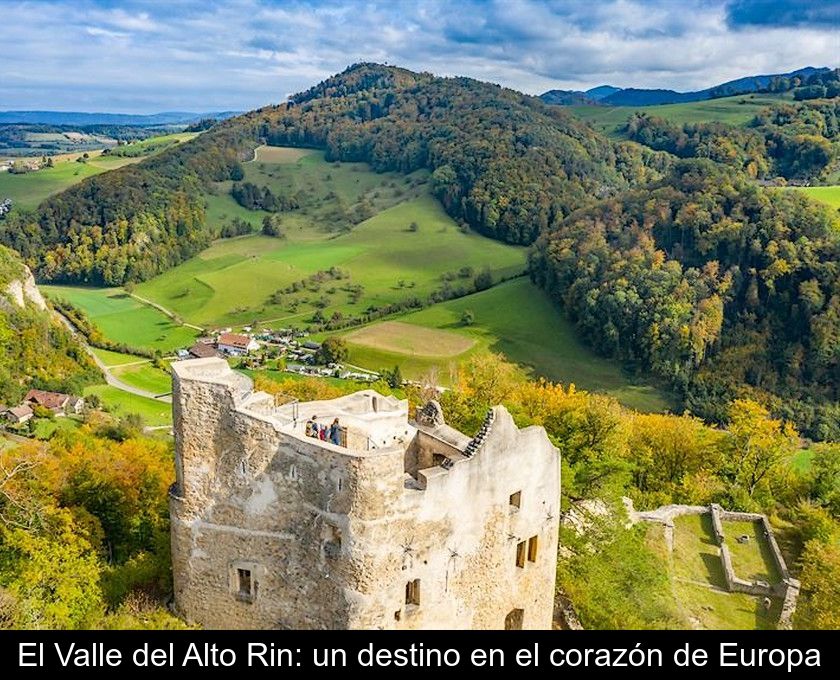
246 53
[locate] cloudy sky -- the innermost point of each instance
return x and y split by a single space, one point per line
201 55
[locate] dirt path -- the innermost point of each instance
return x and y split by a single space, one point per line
165 311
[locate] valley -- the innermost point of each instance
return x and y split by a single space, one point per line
408 249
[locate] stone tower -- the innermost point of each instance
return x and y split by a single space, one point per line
404 525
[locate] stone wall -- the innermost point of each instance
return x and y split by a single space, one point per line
331 537
787 588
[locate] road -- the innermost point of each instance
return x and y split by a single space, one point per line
113 381
110 378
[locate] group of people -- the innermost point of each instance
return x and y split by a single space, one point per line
326 433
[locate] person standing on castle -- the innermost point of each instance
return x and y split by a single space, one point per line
322 432
312 427
335 433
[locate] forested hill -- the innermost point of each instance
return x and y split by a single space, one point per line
35 349
503 162
722 287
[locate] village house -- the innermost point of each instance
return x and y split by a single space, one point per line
17 414
201 350
60 404
236 344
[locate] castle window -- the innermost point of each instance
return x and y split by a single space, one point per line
412 592
532 549
514 619
520 554
516 499
245 585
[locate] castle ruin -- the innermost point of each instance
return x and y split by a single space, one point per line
407 524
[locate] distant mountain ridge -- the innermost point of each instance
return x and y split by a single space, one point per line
83 118
609 95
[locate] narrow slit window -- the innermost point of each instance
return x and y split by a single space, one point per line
516 499
521 549
532 548
244 582
412 592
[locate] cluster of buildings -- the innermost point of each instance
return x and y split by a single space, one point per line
57 403
299 353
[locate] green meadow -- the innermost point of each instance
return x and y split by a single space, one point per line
145 377
233 281
406 247
152 411
828 195
28 190
123 319
738 110
516 319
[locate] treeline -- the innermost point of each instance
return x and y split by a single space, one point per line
252 197
800 141
134 222
35 350
503 162
719 286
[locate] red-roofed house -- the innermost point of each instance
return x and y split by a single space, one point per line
235 344
56 402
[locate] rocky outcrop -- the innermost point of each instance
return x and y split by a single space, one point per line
23 290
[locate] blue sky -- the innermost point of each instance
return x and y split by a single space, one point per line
198 55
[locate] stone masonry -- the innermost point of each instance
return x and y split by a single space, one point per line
412 525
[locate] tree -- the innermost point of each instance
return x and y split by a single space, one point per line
333 350
484 279
392 377
757 443
819 604
413 227
467 317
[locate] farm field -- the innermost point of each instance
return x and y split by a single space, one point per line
123 319
152 411
112 359
514 318
27 191
145 377
828 195
698 583
738 110
235 280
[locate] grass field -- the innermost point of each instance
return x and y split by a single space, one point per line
828 195
145 377
699 586
516 319
752 560
27 191
411 339
738 110
232 281
123 319
280 154
111 359
152 411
